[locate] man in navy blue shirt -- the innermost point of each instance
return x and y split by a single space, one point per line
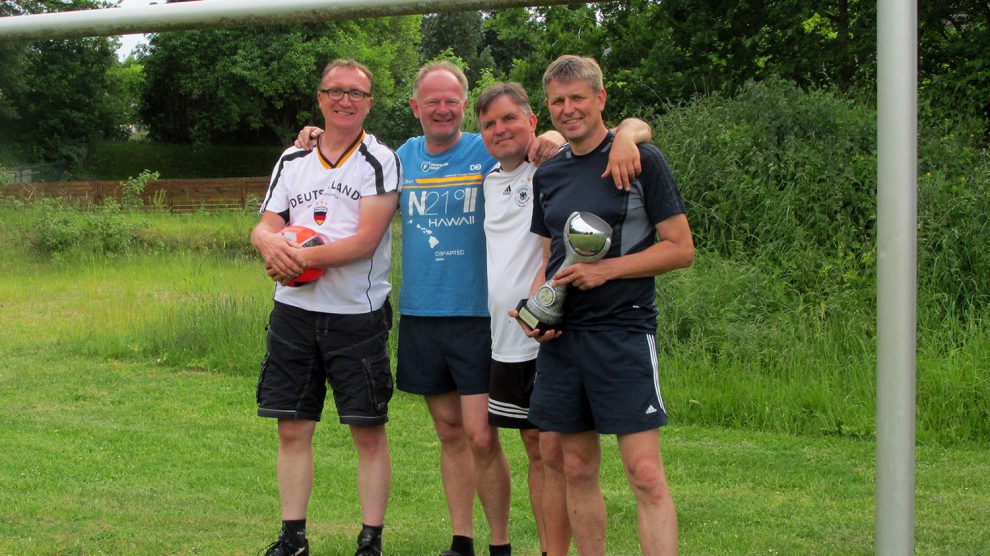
598 374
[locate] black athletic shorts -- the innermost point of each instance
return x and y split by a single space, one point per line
437 355
510 387
306 350
606 381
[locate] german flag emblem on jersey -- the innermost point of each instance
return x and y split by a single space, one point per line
320 215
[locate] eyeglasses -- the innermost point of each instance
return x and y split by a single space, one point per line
356 95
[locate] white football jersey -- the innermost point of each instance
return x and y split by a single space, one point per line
308 190
514 256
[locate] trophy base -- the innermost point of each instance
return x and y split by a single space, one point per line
532 320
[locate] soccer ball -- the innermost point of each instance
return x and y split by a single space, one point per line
305 237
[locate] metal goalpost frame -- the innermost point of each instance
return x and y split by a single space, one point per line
897 274
210 14
897 118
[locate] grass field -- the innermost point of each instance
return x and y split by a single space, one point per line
110 457
128 426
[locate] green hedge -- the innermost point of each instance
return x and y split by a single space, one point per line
119 160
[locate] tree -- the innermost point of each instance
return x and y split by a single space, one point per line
53 94
954 59
125 82
257 86
460 33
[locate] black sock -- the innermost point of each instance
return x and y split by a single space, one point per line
462 545
372 532
294 531
500 550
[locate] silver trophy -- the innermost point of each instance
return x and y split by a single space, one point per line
586 239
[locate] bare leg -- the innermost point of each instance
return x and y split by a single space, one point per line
374 474
491 467
585 505
534 479
294 467
656 516
456 461
555 518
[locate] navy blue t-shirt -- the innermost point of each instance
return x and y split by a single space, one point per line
569 182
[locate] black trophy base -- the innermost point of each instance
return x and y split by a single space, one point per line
532 320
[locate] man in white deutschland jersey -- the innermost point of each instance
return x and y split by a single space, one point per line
508 125
336 328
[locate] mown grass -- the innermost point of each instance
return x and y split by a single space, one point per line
111 456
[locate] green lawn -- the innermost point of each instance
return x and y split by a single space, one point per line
110 457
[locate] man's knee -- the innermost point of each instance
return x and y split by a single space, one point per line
647 479
484 442
295 432
369 440
580 468
449 431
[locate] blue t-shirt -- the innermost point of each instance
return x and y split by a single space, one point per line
569 182
443 234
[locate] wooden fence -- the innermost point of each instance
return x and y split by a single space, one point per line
166 195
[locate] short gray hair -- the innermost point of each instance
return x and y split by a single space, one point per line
442 65
569 68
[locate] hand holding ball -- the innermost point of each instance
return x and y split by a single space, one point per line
305 237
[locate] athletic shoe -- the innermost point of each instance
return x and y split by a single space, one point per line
282 547
366 544
450 553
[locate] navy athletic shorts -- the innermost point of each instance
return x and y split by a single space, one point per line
437 355
511 386
605 381
306 350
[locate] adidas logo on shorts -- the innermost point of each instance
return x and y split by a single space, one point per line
651 409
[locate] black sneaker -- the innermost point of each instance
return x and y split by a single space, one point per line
282 547
366 543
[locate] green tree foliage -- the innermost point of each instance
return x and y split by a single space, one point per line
655 51
257 86
126 82
510 35
954 61
460 33
54 95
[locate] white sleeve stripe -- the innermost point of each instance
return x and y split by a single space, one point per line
278 174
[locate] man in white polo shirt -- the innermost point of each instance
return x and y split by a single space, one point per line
336 328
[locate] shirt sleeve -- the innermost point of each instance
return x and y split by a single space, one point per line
538 225
276 198
660 193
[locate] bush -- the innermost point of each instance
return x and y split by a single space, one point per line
953 203
132 189
783 174
60 229
786 178
108 160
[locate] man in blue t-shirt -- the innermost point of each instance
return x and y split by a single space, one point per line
598 373
445 339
